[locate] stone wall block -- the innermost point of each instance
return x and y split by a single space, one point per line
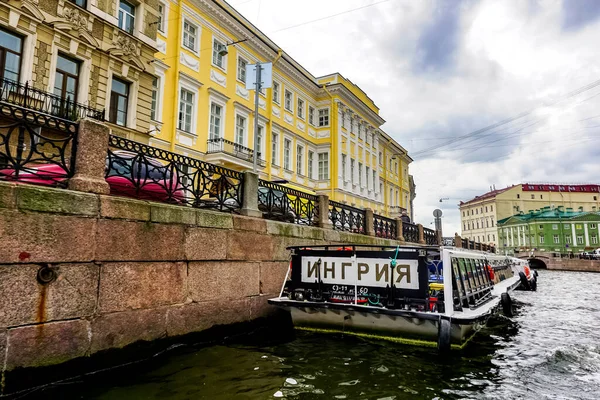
118 330
124 208
134 241
33 198
242 223
247 246
260 308
205 244
272 275
172 214
293 230
71 295
3 337
214 219
47 344
7 195
45 238
218 280
196 317
129 286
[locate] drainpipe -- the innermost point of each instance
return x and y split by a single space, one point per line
269 128
176 78
334 134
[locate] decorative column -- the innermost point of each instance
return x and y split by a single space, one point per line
90 158
369 222
324 212
250 197
399 230
421 234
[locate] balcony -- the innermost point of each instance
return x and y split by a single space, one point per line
228 153
30 98
396 211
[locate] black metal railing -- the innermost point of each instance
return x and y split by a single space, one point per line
385 227
149 173
35 148
430 236
221 145
410 232
282 203
347 218
448 241
30 98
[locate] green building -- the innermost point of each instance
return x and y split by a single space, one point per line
556 230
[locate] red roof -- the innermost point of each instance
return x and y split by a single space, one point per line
487 195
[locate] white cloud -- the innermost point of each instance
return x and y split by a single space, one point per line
436 72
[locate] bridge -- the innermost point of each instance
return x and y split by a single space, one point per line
556 261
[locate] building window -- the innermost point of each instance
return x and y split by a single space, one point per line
344 167
367 177
533 196
311 115
216 118
219 55
323 166
300 159
241 69
380 159
301 108
541 227
126 16
155 95
491 208
190 36
360 175
578 226
119 99
80 3
289 99
579 239
541 239
186 110
464 227
287 150
324 117
485 206
593 226
259 149
274 148
161 17
66 83
567 226
352 171
487 223
555 227
276 94
568 239
311 168
240 129
594 239
494 237
518 196
374 178
11 47
541 196
556 239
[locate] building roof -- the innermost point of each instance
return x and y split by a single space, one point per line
485 196
548 213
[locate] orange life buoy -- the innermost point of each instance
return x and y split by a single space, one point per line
491 273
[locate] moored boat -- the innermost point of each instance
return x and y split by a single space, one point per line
424 295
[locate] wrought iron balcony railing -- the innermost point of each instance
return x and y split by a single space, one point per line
30 98
221 145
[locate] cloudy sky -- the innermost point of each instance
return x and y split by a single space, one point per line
440 70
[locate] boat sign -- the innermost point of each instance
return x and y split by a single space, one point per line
374 272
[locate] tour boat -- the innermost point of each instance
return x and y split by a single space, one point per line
413 294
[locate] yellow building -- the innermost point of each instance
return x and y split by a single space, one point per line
480 214
73 59
320 134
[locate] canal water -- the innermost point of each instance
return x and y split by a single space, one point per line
550 350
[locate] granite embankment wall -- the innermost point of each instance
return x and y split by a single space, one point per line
550 261
124 270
